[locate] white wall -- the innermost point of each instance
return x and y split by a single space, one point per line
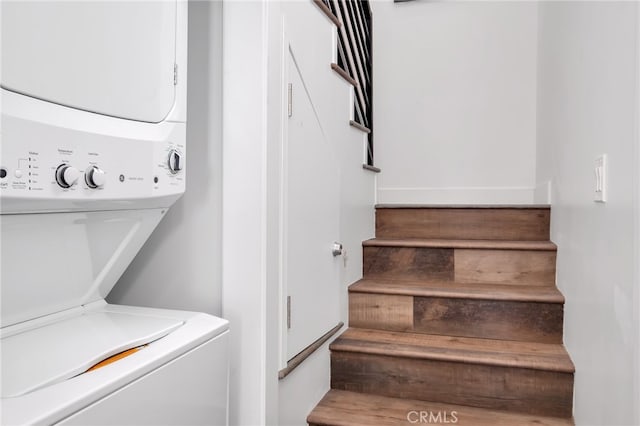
253 132
588 105
246 296
455 101
179 266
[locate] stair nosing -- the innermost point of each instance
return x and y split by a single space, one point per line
465 206
453 290
453 355
461 244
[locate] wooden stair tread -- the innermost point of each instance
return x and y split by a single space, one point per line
461 244
458 311
464 206
344 408
503 353
519 293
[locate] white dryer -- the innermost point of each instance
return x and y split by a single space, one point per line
93 118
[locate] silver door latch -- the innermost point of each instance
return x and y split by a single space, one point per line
337 249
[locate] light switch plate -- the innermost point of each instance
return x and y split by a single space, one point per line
600 172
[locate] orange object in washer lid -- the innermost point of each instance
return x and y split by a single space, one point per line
115 358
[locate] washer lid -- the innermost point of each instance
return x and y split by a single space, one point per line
61 350
110 57
58 261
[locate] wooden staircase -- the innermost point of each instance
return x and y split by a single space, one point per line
457 320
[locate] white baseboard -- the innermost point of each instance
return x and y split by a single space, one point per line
456 195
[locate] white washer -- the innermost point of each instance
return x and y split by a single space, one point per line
92 155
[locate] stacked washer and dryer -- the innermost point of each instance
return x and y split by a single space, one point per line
92 155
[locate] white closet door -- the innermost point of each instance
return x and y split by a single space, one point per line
312 218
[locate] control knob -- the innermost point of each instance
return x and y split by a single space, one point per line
94 177
175 161
66 175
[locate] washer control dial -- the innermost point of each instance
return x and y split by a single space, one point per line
94 177
66 175
175 161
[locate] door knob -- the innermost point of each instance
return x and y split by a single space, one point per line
337 249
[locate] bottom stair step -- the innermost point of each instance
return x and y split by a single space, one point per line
343 408
523 377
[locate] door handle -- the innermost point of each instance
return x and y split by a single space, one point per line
337 249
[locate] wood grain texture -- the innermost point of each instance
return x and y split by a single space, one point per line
461 244
489 319
460 206
505 266
492 312
408 263
464 223
343 408
342 73
536 392
375 311
502 353
457 308
480 291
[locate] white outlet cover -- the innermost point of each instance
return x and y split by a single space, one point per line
600 186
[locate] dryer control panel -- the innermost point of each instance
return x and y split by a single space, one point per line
60 161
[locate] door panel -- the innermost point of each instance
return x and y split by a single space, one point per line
311 218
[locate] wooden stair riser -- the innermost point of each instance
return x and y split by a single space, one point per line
527 267
457 308
511 389
531 224
488 319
